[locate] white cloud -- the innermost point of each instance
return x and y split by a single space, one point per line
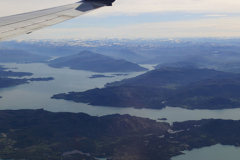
211 27
216 23
129 6
188 6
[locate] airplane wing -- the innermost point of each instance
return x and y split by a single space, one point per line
26 23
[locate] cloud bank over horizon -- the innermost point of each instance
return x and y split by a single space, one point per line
129 7
139 19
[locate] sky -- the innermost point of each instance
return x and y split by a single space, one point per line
139 19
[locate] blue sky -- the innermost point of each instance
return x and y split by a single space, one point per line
139 19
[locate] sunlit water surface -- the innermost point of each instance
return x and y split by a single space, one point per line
216 152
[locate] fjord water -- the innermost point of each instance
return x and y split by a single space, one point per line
37 95
216 152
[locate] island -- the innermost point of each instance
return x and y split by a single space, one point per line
162 119
189 88
10 73
95 62
5 81
120 74
100 76
39 134
41 79
9 82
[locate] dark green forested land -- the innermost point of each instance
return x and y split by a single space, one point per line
190 88
119 96
170 77
38 134
207 94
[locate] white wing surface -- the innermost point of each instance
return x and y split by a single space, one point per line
26 23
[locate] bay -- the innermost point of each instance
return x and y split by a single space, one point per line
217 152
37 95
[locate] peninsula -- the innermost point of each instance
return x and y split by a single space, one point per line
188 88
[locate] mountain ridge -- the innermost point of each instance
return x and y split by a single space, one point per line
95 62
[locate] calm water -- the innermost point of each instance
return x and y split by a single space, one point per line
216 152
37 95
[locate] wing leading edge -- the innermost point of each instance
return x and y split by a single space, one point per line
26 23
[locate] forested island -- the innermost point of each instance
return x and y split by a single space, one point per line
100 76
41 79
189 88
104 76
39 134
5 81
9 82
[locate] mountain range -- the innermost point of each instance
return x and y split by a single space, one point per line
95 62
20 56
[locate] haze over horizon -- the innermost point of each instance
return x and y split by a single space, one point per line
139 19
